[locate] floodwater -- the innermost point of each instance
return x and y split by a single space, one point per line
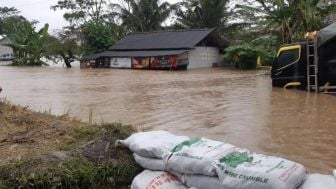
233 106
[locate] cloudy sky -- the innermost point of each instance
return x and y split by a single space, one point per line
40 10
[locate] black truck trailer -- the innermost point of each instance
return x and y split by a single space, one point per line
309 65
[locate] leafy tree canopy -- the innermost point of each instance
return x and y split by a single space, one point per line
79 12
6 12
144 15
28 45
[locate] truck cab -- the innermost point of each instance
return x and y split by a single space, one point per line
290 65
309 64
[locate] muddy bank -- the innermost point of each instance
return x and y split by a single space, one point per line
39 150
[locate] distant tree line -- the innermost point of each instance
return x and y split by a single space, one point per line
250 26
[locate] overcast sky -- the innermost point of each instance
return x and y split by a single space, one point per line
40 10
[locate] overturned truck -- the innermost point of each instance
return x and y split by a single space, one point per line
310 65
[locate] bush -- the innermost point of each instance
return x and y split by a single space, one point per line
267 46
243 56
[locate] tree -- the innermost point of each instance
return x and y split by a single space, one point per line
289 18
144 15
92 24
79 12
27 44
207 14
63 48
203 13
98 37
6 12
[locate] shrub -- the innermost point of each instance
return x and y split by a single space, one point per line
243 56
267 46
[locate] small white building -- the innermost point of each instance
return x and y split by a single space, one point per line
185 49
6 53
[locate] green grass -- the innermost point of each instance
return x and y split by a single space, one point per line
88 157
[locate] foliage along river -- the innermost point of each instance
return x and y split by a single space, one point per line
238 107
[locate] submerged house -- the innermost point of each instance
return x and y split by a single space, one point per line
6 53
185 49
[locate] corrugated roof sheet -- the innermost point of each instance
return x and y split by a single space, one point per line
184 39
135 53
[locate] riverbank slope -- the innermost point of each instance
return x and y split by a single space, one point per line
40 150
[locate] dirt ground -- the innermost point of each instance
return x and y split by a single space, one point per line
39 150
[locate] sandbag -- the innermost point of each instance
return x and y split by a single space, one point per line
243 170
156 180
152 144
153 164
199 181
195 181
196 155
317 181
235 168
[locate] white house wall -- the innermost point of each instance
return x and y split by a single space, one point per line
4 50
121 63
203 57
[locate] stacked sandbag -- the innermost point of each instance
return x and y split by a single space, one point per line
199 181
318 181
153 164
234 167
154 144
156 180
196 155
243 170
204 163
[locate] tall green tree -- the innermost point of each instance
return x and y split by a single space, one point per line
98 36
290 19
64 48
203 13
79 12
92 23
207 14
6 12
144 15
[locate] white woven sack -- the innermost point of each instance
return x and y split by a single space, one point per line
317 181
242 170
154 144
196 156
199 181
153 164
156 180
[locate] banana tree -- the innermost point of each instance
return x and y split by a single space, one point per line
290 18
27 44
36 45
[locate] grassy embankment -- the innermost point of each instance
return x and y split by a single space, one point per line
39 150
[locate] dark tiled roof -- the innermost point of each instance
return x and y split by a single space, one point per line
135 53
184 39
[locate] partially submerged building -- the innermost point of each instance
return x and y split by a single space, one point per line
185 49
6 53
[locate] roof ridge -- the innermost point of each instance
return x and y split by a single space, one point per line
167 31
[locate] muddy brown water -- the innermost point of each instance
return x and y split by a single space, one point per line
238 107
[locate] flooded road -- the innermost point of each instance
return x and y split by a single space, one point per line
233 106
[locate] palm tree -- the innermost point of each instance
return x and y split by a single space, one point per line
203 13
144 15
213 14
